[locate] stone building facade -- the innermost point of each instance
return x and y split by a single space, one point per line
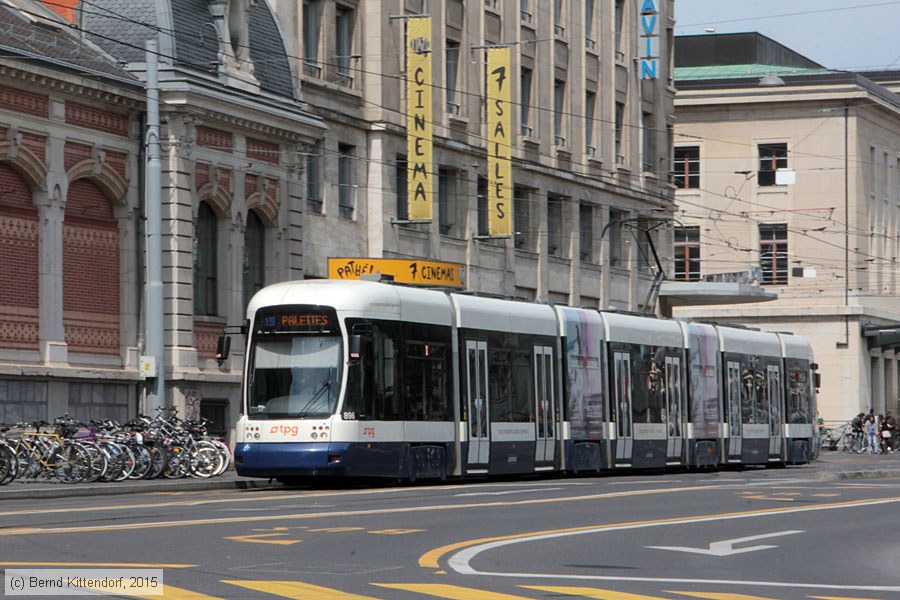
792 170
283 144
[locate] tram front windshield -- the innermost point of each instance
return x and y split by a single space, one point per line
295 377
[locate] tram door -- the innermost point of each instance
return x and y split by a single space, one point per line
676 409
478 402
733 400
545 404
775 389
622 398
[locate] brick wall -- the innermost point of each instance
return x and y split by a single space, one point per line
90 271
18 264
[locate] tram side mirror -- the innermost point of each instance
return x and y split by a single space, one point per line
223 347
817 380
356 342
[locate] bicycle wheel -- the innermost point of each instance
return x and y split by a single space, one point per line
70 462
129 462
159 460
205 460
179 462
8 464
142 461
99 462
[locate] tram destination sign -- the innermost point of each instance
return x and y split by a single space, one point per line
310 319
417 272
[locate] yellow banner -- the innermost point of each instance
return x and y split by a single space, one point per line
499 143
418 272
420 170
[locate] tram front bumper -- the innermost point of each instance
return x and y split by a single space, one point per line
290 459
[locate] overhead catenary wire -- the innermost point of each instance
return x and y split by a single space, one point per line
538 108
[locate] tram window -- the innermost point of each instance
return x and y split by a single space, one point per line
371 389
647 383
799 398
425 377
511 389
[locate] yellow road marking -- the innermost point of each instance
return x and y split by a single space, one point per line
298 590
450 592
594 593
346 513
336 529
395 531
47 511
717 596
96 564
431 559
778 498
256 538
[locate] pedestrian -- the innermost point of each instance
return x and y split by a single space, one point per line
872 435
890 426
857 425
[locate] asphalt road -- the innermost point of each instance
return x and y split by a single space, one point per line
767 533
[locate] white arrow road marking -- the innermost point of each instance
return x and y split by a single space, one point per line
726 547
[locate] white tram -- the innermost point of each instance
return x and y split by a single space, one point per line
358 378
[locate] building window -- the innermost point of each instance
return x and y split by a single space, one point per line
687 253
314 179
311 14
254 256
771 158
589 42
521 218
649 142
586 232
620 122
554 225
616 241
686 173
559 112
525 11
205 261
773 253
483 215
590 105
559 27
446 202
402 189
452 66
344 21
346 204
619 19
527 76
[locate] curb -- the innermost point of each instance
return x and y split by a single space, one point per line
61 490
867 474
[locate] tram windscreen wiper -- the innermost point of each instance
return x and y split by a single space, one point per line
326 385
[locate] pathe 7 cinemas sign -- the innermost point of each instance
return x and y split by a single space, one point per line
430 273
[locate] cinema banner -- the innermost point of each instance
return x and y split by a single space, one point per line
499 135
419 119
416 272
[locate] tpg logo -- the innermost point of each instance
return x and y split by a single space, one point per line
291 430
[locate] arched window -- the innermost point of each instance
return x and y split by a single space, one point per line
254 256
205 261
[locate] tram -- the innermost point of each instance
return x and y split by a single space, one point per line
371 379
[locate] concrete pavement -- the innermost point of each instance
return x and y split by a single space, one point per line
830 466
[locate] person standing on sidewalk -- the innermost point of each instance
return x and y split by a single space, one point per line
857 425
890 426
872 444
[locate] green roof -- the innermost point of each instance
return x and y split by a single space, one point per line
742 71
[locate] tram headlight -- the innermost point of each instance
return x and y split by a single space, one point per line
313 435
324 435
256 435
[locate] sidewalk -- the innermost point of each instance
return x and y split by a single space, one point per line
830 466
